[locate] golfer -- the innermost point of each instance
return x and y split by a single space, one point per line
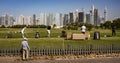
22 32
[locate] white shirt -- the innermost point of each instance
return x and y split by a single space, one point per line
25 45
83 28
22 31
48 31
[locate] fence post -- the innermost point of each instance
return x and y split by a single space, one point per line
91 49
98 49
113 48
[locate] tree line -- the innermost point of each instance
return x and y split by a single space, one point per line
22 26
109 24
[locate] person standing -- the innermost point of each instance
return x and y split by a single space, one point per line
83 29
25 49
37 35
113 31
48 30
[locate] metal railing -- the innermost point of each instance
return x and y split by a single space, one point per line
54 50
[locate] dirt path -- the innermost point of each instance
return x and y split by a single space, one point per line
82 60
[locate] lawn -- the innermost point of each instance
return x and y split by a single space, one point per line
16 39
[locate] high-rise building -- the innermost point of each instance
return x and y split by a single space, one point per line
81 17
58 20
7 20
21 20
41 19
71 18
92 15
45 19
28 20
105 14
84 16
50 19
61 20
34 19
16 21
65 19
88 18
96 17
76 15
101 19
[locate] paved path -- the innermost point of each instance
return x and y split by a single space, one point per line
83 60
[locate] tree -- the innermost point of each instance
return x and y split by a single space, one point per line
102 25
116 23
2 26
89 26
107 25
76 25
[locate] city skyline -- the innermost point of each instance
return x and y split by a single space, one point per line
30 7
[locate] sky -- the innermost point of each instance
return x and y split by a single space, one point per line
30 7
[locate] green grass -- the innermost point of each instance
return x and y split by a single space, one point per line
16 42
30 32
54 40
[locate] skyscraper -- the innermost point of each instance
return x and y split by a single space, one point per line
96 17
7 20
28 20
88 18
65 19
92 15
50 19
34 19
105 14
58 20
61 20
41 19
84 16
21 20
76 15
81 17
71 18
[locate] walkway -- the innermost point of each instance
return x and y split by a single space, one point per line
83 60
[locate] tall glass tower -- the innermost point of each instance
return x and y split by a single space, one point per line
105 14
92 15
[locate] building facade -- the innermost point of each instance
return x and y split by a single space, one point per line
81 17
6 20
96 23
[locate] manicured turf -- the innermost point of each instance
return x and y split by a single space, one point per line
16 39
33 42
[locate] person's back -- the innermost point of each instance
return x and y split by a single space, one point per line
83 28
25 45
25 48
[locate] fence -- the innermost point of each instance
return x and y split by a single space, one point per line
54 50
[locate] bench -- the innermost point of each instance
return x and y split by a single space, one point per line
78 36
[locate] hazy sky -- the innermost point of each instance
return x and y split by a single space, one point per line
30 7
